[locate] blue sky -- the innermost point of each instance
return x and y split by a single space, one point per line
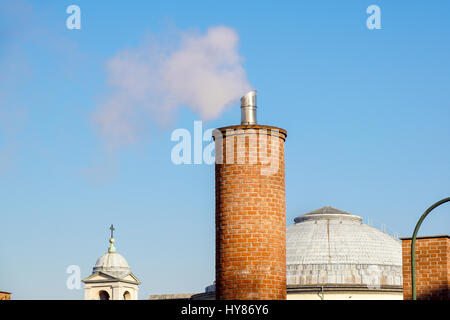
367 114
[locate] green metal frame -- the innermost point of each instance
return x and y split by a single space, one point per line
413 243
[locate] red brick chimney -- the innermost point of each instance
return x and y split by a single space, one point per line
250 209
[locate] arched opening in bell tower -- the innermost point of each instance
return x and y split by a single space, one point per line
103 295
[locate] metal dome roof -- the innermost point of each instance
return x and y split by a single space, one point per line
330 246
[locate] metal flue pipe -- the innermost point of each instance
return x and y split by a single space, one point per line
248 108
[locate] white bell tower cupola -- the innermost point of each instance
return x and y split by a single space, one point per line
111 277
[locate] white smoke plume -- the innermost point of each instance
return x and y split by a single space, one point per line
200 71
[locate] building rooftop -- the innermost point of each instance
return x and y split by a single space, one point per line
331 246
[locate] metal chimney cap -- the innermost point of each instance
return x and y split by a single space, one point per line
248 108
249 99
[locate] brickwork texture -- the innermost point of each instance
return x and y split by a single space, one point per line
5 296
250 213
432 268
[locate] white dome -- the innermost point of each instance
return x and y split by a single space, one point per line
112 263
330 246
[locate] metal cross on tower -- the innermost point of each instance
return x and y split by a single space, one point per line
112 231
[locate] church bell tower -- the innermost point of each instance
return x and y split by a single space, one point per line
111 277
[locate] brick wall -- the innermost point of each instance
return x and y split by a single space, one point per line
432 268
250 213
5 296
